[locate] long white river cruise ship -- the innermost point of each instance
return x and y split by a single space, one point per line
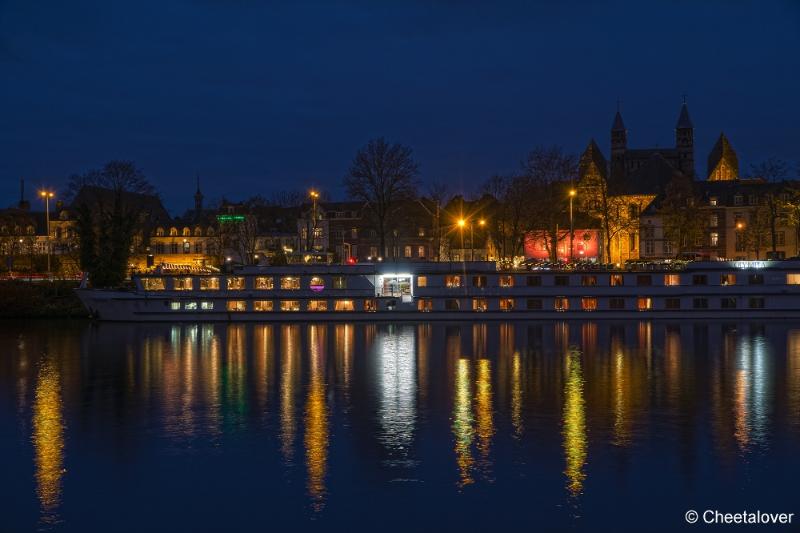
457 291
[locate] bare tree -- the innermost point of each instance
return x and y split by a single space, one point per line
681 214
382 175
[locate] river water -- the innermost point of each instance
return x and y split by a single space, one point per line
470 426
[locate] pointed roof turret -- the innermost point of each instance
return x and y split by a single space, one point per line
618 125
592 162
684 121
723 163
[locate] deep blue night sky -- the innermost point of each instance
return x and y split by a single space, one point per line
258 97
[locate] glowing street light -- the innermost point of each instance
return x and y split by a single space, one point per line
47 195
572 194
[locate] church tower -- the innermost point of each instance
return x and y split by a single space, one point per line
198 199
684 141
619 143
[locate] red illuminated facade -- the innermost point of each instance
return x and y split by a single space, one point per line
585 246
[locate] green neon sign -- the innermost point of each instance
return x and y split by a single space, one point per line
230 218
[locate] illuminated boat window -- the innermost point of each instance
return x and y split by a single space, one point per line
153 284
370 305
207 306
672 280
589 304
478 281
175 306
424 305
643 303
480 305
506 304
237 305
616 280
264 283
190 306
506 281
561 303
727 280
394 285
318 305
235 283
209 284
339 282
317 284
290 305
422 281
262 305
290 283
344 305
452 282
791 279
182 284
589 281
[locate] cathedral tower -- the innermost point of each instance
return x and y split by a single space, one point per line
684 141
723 164
619 143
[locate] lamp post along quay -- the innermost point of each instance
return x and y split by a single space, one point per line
47 195
572 194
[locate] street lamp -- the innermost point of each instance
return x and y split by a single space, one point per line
461 224
481 223
314 196
572 194
47 195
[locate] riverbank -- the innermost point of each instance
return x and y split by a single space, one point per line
40 299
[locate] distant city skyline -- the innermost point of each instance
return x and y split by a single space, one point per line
263 98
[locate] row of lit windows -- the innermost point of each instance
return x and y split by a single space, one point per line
370 305
237 283
591 280
562 303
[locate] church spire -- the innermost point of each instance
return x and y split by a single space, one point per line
618 124
198 198
684 121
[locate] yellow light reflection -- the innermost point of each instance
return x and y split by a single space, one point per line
463 430
484 415
574 422
48 441
516 394
316 420
290 341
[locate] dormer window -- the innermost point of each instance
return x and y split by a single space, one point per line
712 201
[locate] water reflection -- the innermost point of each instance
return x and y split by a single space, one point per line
311 414
48 441
574 421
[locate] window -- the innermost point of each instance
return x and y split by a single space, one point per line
644 280
756 302
672 303
175 306
644 303
700 303
780 238
561 303
290 305
316 284
237 305
506 281
672 280
712 201
209 284
290 283
589 304
562 281
451 304
407 251
755 279
262 305
616 280
182 284
727 279
699 279
479 282
198 247
452 282
264 283
190 306
425 305
339 282
236 283
533 281
667 247
207 305
479 305
534 304
649 247
616 303
421 232
713 239
173 248
153 284
589 281
187 247
421 251
713 221
317 305
506 304
728 303
344 305
422 281
373 250
738 199
793 279
370 305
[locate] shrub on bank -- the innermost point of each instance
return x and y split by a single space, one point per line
25 299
